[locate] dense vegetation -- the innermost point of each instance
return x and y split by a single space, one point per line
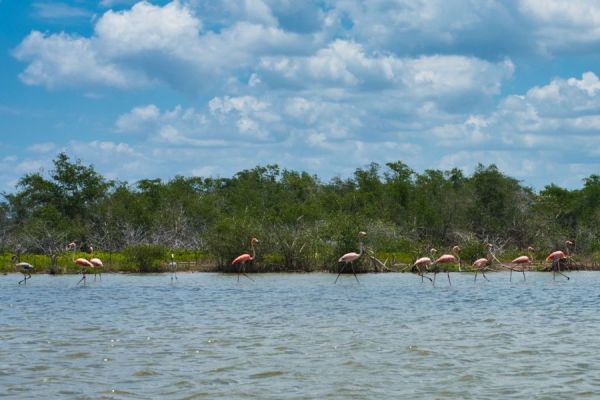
302 222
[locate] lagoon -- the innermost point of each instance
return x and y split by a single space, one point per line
299 336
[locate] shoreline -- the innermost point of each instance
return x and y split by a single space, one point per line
397 269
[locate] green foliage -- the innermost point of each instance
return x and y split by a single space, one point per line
302 223
148 257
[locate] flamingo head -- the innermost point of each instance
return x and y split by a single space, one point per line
172 256
71 246
530 249
362 233
456 249
254 240
568 243
432 251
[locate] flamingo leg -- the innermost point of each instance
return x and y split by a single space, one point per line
356 277
485 277
434 275
558 270
448 273
242 271
511 275
423 276
83 279
23 280
475 280
524 279
340 272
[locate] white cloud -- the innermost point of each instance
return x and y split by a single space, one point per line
138 118
347 65
563 24
42 147
51 10
149 44
62 60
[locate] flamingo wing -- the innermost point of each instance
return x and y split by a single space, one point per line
242 258
96 262
557 255
480 262
423 261
82 262
349 257
521 260
446 259
24 265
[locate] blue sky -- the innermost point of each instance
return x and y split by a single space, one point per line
195 87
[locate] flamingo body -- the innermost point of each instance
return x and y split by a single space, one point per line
423 262
242 259
446 259
556 255
23 266
82 262
96 262
522 260
349 257
480 262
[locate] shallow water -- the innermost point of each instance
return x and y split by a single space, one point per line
299 336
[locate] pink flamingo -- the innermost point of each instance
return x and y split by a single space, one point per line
81 262
481 263
421 265
97 263
556 257
522 262
453 258
348 258
244 258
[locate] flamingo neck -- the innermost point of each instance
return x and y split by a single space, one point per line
361 247
253 251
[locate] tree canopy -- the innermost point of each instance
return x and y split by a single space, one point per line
397 205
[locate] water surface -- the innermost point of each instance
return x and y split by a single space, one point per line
299 336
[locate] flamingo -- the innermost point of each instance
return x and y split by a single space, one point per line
82 262
556 257
97 263
481 263
421 265
173 267
244 258
24 268
522 262
446 259
348 258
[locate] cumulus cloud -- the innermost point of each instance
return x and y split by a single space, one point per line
345 64
330 86
149 44
563 25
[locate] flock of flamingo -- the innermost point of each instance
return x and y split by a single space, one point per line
421 266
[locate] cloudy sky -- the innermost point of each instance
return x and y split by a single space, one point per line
209 87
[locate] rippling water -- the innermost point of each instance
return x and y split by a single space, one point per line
300 337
